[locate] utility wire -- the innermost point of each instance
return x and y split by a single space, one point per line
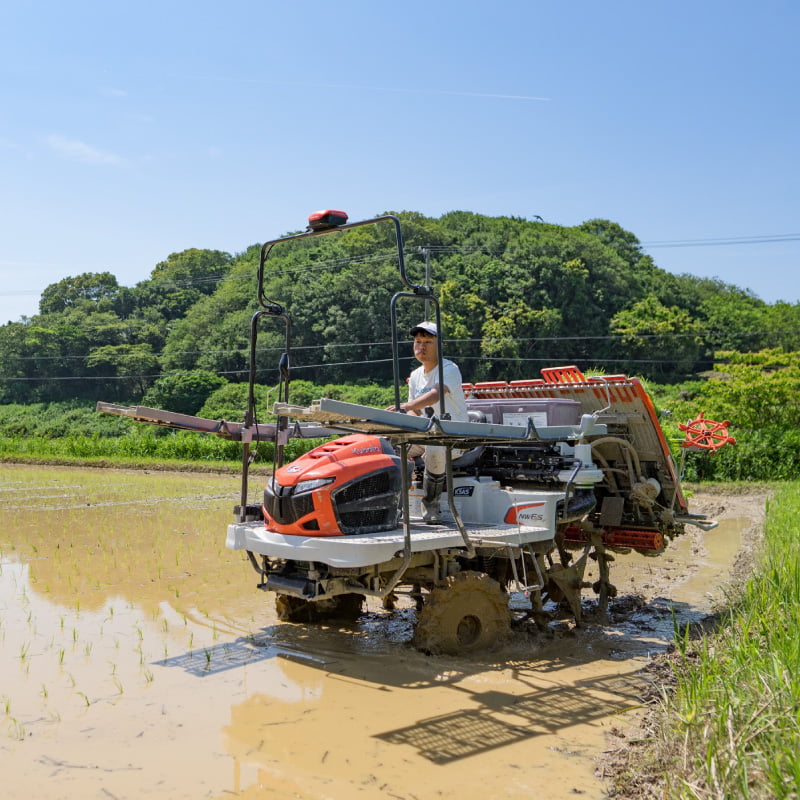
491 340
443 249
301 367
736 240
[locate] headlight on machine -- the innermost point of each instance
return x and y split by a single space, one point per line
309 486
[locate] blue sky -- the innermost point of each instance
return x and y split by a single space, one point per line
131 131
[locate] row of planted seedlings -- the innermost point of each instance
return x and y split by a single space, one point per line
113 578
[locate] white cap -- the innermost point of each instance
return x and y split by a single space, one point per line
424 327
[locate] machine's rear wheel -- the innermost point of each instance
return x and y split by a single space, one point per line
467 612
296 609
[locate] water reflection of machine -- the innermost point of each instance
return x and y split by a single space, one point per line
550 465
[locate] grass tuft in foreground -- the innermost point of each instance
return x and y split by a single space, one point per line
734 719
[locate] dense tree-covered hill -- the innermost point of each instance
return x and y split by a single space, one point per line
516 295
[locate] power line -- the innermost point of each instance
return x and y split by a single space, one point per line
736 240
178 373
444 249
490 340
597 360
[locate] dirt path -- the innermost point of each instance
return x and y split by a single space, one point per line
139 661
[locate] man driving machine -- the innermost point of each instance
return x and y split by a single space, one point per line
423 392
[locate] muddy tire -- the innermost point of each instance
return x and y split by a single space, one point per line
466 613
295 609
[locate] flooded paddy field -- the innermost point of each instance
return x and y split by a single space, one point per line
138 660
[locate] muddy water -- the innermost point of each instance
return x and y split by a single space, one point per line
137 660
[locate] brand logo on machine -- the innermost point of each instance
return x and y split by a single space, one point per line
463 491
524 514
295 468
364 451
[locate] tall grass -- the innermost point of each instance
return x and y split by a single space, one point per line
68 433
736 710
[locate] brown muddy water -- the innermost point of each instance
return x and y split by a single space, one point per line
138 660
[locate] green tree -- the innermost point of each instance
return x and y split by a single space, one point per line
135 366
90 289
41 359
200 268
733 319
756 389
782 326
176 284
515 295
664 337
623 242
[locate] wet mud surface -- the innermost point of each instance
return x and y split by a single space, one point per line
138 660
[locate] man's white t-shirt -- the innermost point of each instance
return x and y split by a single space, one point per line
455 403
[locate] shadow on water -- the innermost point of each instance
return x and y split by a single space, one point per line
504 719
548 684
632 628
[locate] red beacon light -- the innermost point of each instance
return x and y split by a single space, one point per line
328 218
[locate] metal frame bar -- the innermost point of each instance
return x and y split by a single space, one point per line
282 423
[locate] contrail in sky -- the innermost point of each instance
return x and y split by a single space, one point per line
434 91
344 86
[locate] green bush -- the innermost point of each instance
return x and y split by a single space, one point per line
58 420
758 392
768 454
185 392
229 402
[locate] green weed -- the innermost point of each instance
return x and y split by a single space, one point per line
735 709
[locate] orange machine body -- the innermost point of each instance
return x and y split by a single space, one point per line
347 486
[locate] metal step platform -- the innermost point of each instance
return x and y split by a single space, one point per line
367 549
